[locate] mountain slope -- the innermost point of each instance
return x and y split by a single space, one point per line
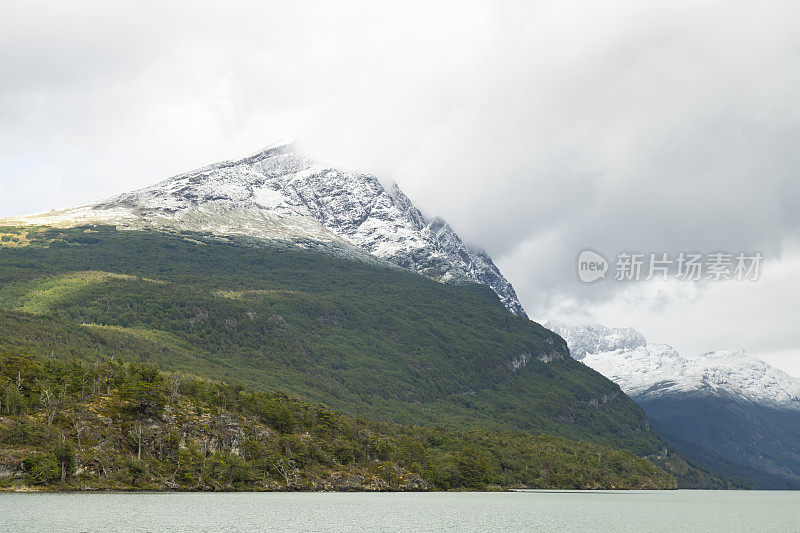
367 339
727 410
281 194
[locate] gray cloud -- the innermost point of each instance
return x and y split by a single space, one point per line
536 129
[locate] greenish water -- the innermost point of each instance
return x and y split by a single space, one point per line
461 512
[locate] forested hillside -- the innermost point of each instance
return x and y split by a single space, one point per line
368 340
112 425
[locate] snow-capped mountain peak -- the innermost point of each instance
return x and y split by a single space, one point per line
281 194
647 370
588 340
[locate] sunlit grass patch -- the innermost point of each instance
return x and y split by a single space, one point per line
241 295
37 296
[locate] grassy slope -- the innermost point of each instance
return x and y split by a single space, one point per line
127 426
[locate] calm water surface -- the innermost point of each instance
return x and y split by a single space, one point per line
517 511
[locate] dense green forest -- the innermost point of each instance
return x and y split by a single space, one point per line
67 424
366 339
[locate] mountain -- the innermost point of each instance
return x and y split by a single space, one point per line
281 194
727 410
283 274
650 371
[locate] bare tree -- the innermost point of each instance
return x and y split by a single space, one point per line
287 469
138 431
78 426
50 404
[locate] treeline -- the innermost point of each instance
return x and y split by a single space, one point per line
68 424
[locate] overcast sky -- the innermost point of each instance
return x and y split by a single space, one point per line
537 129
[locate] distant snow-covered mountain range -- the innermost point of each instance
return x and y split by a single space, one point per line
728 411
648 371
282 194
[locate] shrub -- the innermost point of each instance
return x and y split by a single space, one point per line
41 469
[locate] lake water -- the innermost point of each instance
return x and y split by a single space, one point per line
708 511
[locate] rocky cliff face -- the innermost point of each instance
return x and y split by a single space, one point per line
281 194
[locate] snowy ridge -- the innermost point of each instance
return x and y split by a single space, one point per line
648 371
280 194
